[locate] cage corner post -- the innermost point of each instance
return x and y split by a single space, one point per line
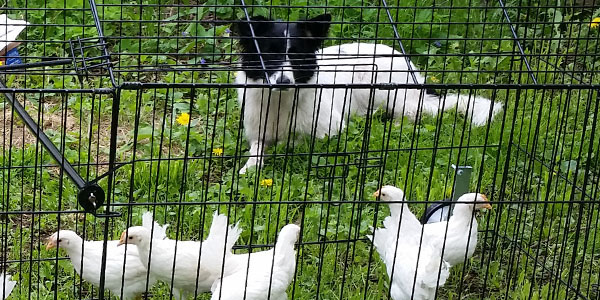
461 181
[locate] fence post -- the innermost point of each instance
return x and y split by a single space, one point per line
462 180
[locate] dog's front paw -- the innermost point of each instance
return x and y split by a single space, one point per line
252 162
245 168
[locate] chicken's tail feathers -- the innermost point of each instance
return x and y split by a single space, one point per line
218 244
6 285
478 109
232 236
222 236
159 232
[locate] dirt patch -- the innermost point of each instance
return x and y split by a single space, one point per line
93 139
22 220
54 120
213 175
17 135
14 132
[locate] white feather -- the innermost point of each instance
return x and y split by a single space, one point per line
160 232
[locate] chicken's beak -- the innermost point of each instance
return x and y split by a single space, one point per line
376 194
123 239
50 244
486 205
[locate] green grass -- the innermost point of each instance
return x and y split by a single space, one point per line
536 210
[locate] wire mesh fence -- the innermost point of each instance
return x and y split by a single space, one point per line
114 108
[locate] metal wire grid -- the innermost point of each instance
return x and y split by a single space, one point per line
570 67
522 151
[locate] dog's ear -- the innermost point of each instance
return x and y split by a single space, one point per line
317 27
259 24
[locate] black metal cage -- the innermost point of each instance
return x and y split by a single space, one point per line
117 108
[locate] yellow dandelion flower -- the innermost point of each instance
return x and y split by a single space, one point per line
266 182
183 119
595 22
434 79
218 151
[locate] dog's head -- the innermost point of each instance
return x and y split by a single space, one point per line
287 48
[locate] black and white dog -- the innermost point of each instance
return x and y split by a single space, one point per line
291 54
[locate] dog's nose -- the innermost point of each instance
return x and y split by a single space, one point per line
283 80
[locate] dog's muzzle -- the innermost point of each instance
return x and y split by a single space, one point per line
282 80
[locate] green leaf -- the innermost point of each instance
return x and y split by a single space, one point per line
424 16
145 133
568 166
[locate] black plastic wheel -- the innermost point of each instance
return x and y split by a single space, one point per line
433 208
91 198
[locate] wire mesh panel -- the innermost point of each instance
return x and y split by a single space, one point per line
187 108
552 169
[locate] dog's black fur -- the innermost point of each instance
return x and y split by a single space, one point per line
297 40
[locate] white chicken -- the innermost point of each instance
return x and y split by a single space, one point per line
6 285
128 285
414 265
260 275
461 239
189 266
